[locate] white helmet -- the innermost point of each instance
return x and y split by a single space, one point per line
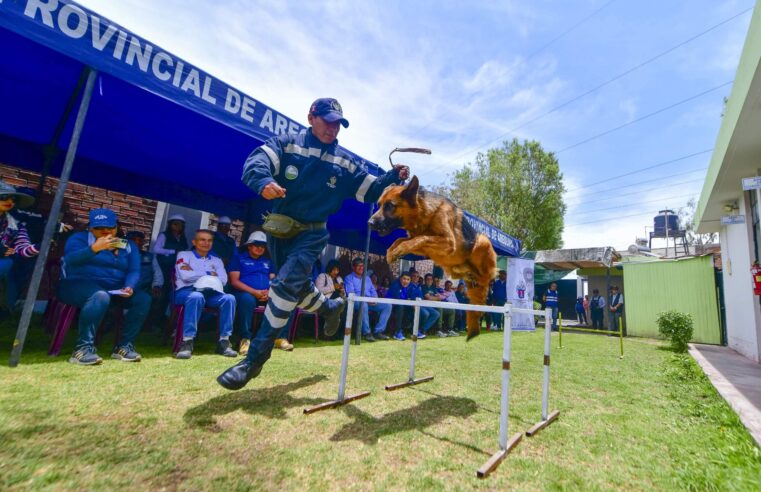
257 237
209 282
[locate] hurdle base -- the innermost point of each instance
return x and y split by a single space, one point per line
411 382
498 457
544 423
335 403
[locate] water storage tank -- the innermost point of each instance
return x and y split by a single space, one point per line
664 219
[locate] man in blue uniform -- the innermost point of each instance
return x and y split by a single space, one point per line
250 274
499 298
308 176
551 301
224 245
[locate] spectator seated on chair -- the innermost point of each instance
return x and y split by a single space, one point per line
432 292
16 246
200 280
403 288
165 248
29 215
224 245
448 323
329 283
250 274
98 269
353 285
151 279
462 298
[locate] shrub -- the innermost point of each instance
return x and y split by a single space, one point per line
677 327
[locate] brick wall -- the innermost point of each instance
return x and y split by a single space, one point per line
134 213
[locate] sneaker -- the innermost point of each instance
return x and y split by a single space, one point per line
441 334
381 336
186 350
421 336
85 356
245 343
126 353
369 338
453 333
224 348
398 336
282 344
331 312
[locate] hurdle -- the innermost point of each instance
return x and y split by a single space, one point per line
411 381
547 418
505 445
342 399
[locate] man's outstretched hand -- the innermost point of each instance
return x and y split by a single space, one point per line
404 171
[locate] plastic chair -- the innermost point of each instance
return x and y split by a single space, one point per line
58 316
62 317
295 324
177 316
257 314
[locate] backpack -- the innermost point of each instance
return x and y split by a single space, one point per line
594 303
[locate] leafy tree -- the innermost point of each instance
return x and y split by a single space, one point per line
518 188
687 220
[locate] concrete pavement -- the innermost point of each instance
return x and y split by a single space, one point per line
737 379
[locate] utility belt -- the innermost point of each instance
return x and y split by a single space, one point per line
284 227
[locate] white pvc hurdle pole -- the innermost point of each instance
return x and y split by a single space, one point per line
547 418
347 343
415 331
342 399
505 446
412 381
546 383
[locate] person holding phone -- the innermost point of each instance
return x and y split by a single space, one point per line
98 269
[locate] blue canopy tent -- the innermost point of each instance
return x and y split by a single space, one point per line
149 123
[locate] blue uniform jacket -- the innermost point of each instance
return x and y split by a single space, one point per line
499 292
396 291
107 269
253 272
317 177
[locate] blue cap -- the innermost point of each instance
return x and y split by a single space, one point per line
102 217
330 110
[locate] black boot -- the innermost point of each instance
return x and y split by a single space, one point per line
331 311
239 375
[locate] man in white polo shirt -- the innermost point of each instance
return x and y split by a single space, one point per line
199 282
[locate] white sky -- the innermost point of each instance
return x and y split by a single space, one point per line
458 77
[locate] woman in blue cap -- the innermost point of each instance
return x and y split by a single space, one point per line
99 268
14 238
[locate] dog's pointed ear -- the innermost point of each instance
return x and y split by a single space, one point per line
410 191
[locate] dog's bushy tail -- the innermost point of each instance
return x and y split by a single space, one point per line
484 262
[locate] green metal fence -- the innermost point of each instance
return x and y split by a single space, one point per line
685 285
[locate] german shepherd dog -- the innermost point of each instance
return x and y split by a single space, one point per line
437 228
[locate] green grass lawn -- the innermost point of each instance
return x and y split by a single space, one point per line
648 421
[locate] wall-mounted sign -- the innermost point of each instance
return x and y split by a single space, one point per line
752 183
732 219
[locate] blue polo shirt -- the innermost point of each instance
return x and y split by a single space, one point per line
253 272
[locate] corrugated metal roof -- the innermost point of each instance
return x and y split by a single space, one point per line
571 259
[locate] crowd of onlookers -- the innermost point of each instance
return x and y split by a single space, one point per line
179 282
